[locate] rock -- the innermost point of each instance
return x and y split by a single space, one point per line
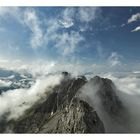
64 73
78 117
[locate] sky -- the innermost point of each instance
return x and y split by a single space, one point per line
42 40
98 38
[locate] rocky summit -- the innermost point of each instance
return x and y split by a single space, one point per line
64 111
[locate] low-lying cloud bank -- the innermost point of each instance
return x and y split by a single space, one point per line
129 93
15 102
5 83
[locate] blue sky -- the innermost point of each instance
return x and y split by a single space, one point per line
101 36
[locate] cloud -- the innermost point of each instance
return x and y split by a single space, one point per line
127 89
5 83
100 50
3 61
11 64
66 23
28 18
9 11
136 72
70 16
83 14
114 59
129 93
51 32
88 14
136 29
128 83
46 68
38 68
122 25
67 17
17 101
32 22
133 18
67 42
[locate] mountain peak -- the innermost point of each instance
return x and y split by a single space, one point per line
64 111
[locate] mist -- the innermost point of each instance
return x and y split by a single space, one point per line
5 83
89 94
15 102
127 89
129 93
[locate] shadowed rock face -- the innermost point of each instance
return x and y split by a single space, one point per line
64 111
78 117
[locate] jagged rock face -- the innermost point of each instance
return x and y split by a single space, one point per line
78 117
61 112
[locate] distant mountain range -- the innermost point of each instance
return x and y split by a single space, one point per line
13 80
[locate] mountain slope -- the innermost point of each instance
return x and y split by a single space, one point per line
61 112
64 110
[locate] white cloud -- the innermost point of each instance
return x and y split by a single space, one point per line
133 18
129 93
44 68
68 13
3 61
136 29
100 50
18 100
10 77
136 72
11 64
66 23
122 25
39 67
67 17
5 83
87 14
9 11
32 21
83 14
67 43
28 18
128 83
114 59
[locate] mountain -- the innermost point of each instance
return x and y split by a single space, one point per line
10 80
66 110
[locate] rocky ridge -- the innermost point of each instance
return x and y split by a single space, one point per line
64 111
